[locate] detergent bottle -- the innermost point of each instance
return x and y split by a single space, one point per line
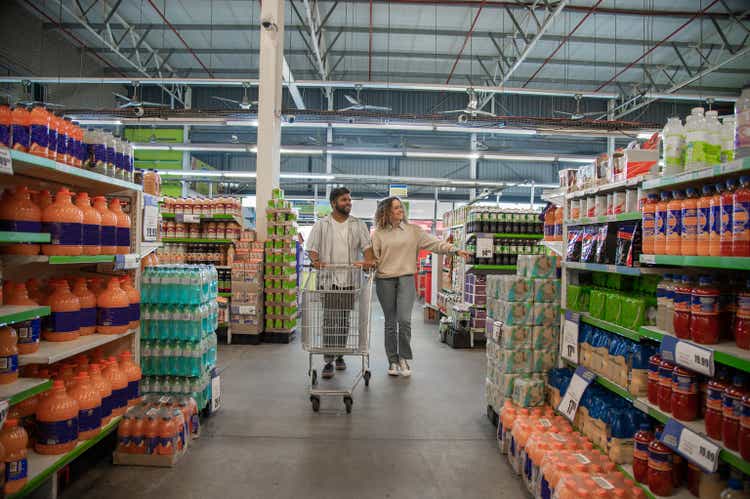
133 374
57 418
92 225
108 226
119 382
64 221
695 140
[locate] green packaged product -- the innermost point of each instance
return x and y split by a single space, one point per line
633 312
597 303
277 193
615 281
613 308
648 284
599 279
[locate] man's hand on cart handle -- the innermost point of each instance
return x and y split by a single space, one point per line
366 264
318 264
463 254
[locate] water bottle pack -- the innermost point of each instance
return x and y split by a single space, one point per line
179 322
178 358
179 284
198 387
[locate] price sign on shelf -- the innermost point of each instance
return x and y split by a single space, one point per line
188 218
150 217
485 247
215 392
687 354
6 162
581 380
569 340
695 448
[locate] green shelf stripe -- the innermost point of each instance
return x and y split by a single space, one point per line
734 461
712 262
651 332
20 397
24 237
196 240
10 314
61 260
491 267
622 217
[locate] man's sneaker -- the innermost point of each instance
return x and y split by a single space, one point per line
340 364
327 372
393 369
404 367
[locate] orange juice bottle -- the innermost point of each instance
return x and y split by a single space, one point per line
6 119
52 137
39 121
104 387
134 298
109 226
92 225
89 406
42 199
8 355
64 221
689 245
113 309
649 223
64 320
133 373
28 332
741 219
727 218
674 224
19 214
714 239
151 431
167 435
558 236
703 235
14 440
660 234
67 373
123 227
125 435
87 300
57 422
20 128
24 411
137 438
119 382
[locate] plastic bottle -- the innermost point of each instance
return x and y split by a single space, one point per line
642 439
113 309
714 239
14 440
64 221
744 437
689 219
92 225
549 224
134 298
695 140
119 382
682 307
122 236
704 312
20 129
713 138
137 437
660 233
649 223
64 320
167 435
125 435
57 418
714 399
665 386
735 490
6 120
673 147
8 355
558 236
741 219
19 214
42 199
89 406
685 398
727 218
659 468
87 300
52 137
133 374
742 318
151 431
731 402
28 332
39 120
104 387
703 235
673 237
728 124
109 227
653 378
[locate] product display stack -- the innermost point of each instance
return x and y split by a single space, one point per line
246 312
523 313
281 273
178 341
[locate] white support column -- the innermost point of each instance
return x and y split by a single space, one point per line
473 164
185 158
269 108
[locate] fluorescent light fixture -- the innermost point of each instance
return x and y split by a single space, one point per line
306 176
491 130
240 174
441 155
385 126
518 157
190 173
98 122
365 152
307 151
253 123
575 159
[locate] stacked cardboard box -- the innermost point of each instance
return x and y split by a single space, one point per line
522 331
246 313
475 293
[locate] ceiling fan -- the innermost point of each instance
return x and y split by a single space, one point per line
471 109
357 105
243 104
577 115
126 102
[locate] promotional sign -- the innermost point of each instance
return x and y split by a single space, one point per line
399 190
569 340
695 448
581 380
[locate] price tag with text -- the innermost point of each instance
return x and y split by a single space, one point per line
127 262
188 218
651 259
485 247
581 380
150 217
215 393
687 354
6 162
569 341
695 448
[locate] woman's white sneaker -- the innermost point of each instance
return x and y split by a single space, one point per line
404 368
393 369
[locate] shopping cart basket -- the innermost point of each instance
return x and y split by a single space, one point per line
336 303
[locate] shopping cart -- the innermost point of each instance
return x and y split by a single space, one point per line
336 303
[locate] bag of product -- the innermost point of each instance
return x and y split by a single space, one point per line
573 253
600 254
588 242
625 238
597 303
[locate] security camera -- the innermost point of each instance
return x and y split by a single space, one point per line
269 25
291 118
350 120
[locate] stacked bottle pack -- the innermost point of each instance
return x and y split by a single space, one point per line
281 272
206 207
206 230
505 250
178 342
195 253
76 228
40 132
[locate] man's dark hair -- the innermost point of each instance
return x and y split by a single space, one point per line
338 192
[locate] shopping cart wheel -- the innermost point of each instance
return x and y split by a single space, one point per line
315 402
348 401
314 377
368 375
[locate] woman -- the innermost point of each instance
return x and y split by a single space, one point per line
396 244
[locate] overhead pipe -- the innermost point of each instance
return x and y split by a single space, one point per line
466 40
369 50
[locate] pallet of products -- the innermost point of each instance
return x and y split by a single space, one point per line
522 331
246 313
157 432
178 338
281 283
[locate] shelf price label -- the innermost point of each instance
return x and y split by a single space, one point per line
150 217
694 447
687 354
485 247
187 218
569 341
127 262
581 380
6 162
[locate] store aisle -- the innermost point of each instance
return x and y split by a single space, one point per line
424 437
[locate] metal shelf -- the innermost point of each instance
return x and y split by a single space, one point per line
621 217
10 314
612 186
505 235
196 240
703 175
490 267
23 388
24 237
54 351
608 326
600 267
711 262
66 260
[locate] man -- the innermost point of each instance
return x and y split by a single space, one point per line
338 239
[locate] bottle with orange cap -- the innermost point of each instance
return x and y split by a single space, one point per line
5 123
57 422
14 440
125 434
8 355
122 237
39 131
65 309
52 137
113 309
92 225
89 406
19 214
104 387
20 128
108 226
64 221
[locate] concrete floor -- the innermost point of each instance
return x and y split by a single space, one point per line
423 437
